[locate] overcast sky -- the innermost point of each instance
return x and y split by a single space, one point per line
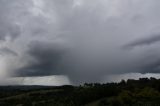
83 40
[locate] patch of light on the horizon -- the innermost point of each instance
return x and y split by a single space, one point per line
55 80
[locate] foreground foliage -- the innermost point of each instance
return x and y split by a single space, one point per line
142 92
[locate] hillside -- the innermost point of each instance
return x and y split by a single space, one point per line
140 92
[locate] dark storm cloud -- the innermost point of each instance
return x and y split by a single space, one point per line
46 59
82 39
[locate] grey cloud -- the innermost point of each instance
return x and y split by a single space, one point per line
7 51
144 41
11 31
8 25
150 63
153 67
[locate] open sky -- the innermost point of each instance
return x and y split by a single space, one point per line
79 40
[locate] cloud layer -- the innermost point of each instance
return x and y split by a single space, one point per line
82 39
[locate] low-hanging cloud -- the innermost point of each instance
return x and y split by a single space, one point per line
82 39
144 41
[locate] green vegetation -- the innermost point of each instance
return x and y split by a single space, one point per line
142 92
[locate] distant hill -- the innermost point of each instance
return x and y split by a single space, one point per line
142 92
22 87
